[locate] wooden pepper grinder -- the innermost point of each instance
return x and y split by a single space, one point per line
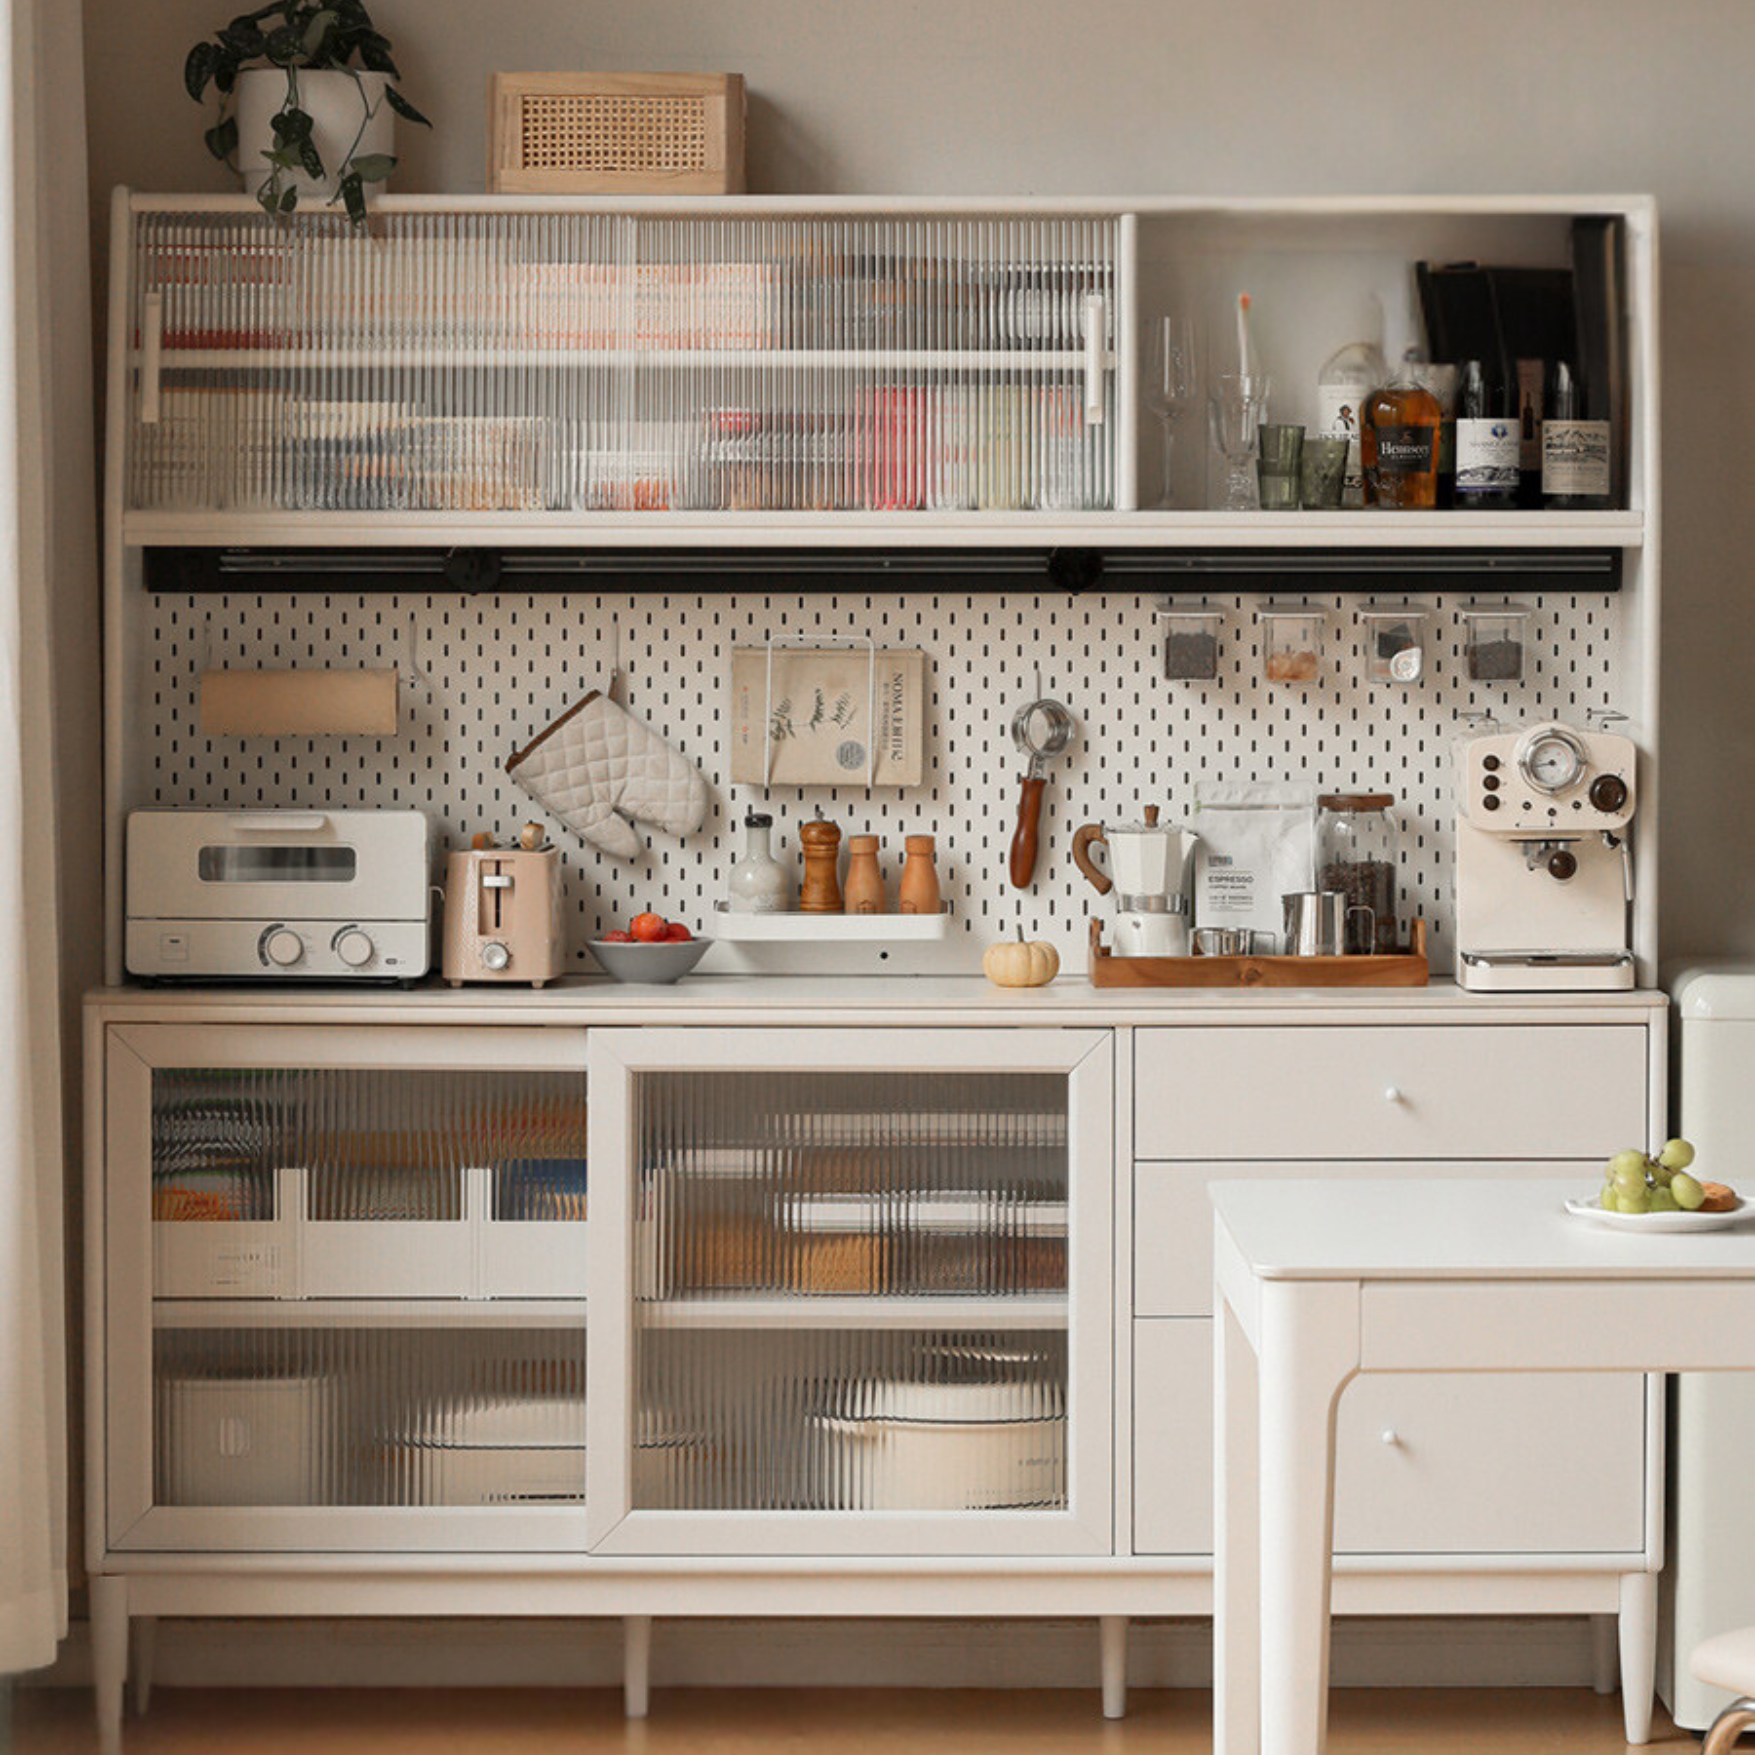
821 842
865 883
919 891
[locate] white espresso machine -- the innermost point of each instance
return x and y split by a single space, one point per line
1148 870
1544 874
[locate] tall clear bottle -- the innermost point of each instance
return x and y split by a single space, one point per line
1348 376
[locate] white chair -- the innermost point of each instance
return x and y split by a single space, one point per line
1728 1661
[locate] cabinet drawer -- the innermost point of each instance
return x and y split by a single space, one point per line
1542 1463
1173 1216
1527 1463
1371 1091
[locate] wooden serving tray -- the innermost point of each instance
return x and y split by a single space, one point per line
1409 969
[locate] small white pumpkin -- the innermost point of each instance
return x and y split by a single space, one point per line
1009 964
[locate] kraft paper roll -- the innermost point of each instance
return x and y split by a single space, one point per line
298 703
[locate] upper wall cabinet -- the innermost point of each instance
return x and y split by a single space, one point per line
574 364
760 372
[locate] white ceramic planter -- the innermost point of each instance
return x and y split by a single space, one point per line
338 104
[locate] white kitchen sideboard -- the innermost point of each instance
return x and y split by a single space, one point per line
889 1302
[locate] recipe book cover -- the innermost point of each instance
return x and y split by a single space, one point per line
818 710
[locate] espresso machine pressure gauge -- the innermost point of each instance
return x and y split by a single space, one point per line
1551 759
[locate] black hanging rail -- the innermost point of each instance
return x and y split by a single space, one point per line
1167 572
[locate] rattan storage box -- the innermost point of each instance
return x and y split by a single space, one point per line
615 134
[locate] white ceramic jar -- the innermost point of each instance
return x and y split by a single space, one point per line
759 883
347 111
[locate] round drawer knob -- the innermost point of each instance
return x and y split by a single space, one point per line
1390 1435
1392 1093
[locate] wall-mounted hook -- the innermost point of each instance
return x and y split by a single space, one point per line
409 671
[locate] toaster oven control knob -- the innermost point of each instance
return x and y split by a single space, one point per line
282 947
354 948
495 956
1608 793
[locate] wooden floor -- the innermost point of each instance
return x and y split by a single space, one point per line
759 1721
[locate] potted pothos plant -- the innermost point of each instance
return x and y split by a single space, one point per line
307 101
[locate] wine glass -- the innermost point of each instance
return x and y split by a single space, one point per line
1171 386
1236 407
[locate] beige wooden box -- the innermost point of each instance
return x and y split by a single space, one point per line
615 134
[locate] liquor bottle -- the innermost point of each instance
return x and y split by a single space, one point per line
1486 444
1441 380
1531 376
1348 376
1575 451
1398 435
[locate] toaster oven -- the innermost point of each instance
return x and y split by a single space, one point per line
332 895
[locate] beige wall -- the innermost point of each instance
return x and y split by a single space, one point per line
1217 96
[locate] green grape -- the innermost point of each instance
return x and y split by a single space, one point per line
1635 1203
1628 1169
1689 1194
1607 1199
1661 1173
1677 1155
1662 1201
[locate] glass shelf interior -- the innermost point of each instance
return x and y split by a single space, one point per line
306 1185
872 1184
776 1194
368 1417
848 1420
530 362
374 1144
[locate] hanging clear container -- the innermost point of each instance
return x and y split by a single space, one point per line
1291 642
1356 854
1395 643
1494 641
1191 643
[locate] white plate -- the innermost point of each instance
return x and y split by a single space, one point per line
1677 1221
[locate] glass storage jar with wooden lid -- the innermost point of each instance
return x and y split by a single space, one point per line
1356 854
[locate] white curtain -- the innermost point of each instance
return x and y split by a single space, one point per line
45 535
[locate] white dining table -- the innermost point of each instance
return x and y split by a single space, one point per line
1319 1281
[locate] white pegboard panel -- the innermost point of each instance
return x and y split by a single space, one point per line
503 666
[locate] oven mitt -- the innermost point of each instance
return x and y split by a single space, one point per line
600 771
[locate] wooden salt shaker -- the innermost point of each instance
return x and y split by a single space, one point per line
821 893
919 893
865 883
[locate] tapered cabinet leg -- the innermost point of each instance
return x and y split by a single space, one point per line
140 1661
1236 1548
109 1657
1639 1603
1308 1348
1604 1667
636 1665
1112 1643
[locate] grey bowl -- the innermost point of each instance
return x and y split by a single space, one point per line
648 965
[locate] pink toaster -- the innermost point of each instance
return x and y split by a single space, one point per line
503 917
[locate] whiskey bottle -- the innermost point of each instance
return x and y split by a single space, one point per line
1575 451
1399 442
1486 444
